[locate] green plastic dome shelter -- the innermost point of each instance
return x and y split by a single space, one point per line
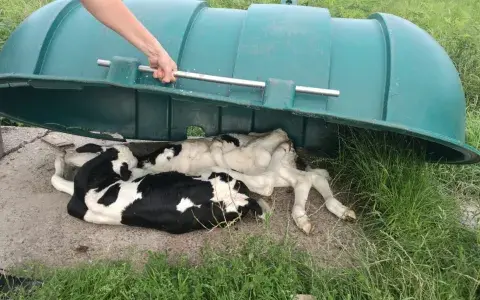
272 65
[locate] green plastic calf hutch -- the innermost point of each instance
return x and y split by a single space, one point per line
272 65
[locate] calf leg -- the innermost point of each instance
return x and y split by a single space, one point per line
248 159
261 184
333 205
320 172
265 207
57 180
262 158
100 219
301 183
299 214
216 149
319 179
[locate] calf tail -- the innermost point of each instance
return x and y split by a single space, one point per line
57 180
265 208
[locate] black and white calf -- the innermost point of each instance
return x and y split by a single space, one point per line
169 201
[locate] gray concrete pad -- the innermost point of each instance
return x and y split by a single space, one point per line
35 226
14 137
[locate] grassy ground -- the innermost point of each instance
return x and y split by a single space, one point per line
414 246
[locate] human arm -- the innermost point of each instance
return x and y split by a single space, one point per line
115 15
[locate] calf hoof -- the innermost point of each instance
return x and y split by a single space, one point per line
307 228
349 215
303 223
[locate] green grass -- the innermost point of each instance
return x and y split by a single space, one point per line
413 247
12 12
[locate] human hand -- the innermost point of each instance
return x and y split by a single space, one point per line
115 15
164 66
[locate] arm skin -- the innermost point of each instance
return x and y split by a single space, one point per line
116 16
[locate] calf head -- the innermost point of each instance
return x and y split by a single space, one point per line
124 162
233 195
120 157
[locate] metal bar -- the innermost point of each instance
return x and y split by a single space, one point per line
227 80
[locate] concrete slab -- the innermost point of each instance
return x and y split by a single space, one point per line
16 137
34 224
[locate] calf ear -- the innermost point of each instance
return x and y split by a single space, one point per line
111 153
89 148
125 173
177 148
